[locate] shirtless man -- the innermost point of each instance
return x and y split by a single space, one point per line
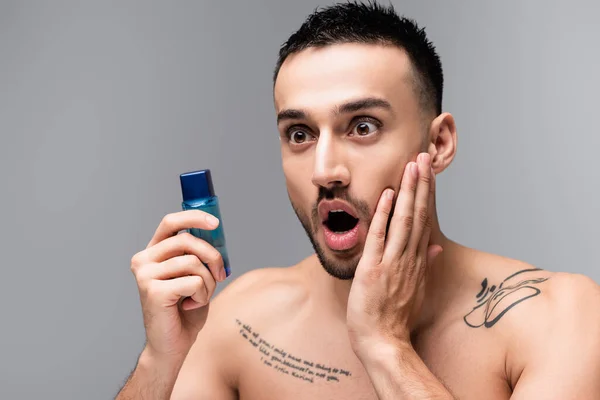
394 311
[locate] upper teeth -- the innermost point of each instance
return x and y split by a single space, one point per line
338 211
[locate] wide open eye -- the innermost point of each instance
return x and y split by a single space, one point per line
365 128
298 136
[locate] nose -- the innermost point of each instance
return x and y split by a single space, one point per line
330 167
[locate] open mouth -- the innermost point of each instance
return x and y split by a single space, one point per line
341 227
339 221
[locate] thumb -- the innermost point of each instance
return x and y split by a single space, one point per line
432 252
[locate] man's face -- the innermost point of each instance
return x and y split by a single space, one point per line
349 121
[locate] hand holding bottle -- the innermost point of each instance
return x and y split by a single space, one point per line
176 276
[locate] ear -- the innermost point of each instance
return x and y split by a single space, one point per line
442 142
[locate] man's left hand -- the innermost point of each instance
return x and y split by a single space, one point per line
387 290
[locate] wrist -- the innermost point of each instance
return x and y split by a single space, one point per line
381 347
162 366
382 350
395 367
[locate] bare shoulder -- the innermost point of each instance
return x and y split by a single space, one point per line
517 296
573 294
545 301
508 291
261 292
548 321
566 311
262 296
554 338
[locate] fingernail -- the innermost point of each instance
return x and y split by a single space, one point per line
390 194
212 220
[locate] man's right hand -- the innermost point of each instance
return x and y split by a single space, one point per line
176 276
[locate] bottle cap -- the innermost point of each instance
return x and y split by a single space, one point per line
196 185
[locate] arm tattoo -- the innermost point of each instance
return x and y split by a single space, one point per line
493 302
288 364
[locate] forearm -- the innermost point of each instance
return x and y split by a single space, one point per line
397 371
152 379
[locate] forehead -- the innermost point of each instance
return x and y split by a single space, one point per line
326 76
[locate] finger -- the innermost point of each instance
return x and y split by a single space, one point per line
424 244
433 252
403 219
421 212
168 293
185 243
209 281
189 304
375 241
173 223
173 268
198 300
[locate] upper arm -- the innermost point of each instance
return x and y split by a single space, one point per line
211 368
563 353
204 374
207 372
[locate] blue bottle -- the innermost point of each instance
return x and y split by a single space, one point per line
199 194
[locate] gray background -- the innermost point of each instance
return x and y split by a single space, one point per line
104 104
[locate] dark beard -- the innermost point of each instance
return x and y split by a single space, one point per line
343 269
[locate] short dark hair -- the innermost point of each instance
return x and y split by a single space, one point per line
358 22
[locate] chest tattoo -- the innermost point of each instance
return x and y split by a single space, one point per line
287 363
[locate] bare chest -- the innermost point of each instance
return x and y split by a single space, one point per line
304 365
313 363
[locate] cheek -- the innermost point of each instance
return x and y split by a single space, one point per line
298 181
386 178
394 175
372 178
385 167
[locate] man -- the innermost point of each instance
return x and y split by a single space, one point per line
388 307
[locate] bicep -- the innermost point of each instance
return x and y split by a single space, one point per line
202 378
208 371
560 377
212 368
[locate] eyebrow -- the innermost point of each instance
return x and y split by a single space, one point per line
349 107
290 114
363 104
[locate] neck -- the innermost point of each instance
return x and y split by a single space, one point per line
443 275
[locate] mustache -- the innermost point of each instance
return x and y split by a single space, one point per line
336 192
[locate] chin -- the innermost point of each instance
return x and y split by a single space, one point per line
339 269
338 264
